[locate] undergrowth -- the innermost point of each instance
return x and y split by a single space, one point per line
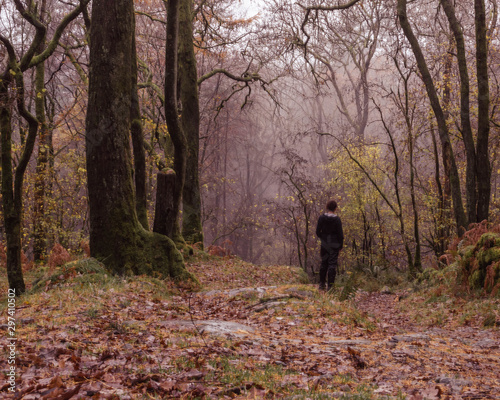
471 265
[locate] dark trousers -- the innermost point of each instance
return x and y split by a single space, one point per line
328 270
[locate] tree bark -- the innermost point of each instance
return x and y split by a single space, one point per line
441 228
190 121
448 156
483 126
174 125
42 165
11 210
165 189
116 235
141 200
466 128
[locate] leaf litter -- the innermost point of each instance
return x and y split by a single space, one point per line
146 338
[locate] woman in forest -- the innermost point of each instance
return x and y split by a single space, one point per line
329 230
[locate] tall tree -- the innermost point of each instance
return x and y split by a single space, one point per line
465 122
478 173
138 147
190 121
483 166
116 235
174 124
42 165
13 177
448 156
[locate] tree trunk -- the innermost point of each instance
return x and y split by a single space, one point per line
116 235
448 156
174 125
41 173
42 166
190 120
446 213
417 262
164 218
483 126
11 211
466 128
141 201
441 229
12 181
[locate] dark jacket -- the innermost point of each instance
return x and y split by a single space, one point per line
329 230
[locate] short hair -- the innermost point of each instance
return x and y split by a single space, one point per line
331 205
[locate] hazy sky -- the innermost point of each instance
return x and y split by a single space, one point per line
251 7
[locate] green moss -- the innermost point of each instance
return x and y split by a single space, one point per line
473 262
468 254
488 256
156 253
476 279
87 270
131 250
489 239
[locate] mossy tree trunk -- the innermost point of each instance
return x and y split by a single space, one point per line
190 121
174 125
11 209
13 179
116 235
40 242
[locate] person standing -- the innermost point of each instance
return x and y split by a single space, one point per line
329 230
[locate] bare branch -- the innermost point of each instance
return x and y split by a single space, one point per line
331 8
245 77
151 17
29 60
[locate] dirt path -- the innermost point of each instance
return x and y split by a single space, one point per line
376 345
458 363
135 339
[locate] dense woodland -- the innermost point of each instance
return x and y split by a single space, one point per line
141 129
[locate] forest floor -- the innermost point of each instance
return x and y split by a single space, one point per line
253 332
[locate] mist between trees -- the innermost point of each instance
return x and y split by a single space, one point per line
390 108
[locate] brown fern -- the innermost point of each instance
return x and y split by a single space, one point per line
26 263
58 256
491 275
84 244
3 256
